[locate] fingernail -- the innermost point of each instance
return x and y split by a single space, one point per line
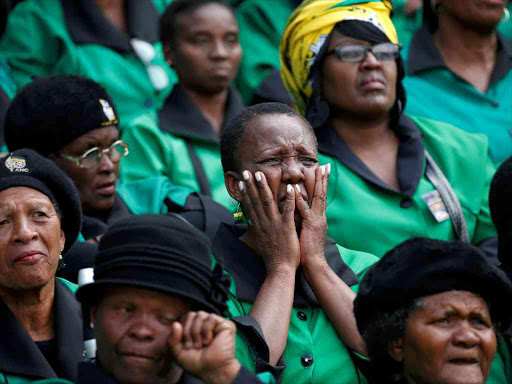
188 345
241 186
323 170
297 187
245 174
329 165
258 176
289 188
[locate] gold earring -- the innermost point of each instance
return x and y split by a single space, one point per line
238 215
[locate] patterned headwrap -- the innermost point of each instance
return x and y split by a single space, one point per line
308 29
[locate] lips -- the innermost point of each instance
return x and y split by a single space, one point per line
28 257
373 82
106 189
464 361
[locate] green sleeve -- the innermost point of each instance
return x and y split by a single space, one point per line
68 285
484 228
147 196
150 154
501 370
262 23
34 38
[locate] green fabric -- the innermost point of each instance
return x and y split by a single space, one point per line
154 152
505 27
365 217
332 361
406 25
262 24
439 94
6 81
147 196
71 287
37 42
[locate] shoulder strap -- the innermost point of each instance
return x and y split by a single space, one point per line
450 200
202 180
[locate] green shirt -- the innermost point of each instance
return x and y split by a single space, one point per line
314 352
435 92
364 213
160 145
46 37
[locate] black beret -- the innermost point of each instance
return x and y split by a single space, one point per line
51 112
26 168
164 253
421 267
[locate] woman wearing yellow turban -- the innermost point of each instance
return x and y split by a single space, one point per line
393 177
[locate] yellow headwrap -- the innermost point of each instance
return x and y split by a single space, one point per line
308 29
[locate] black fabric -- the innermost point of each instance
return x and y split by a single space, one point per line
26 168
410 157
248 270
202 212
52 111
272 89
424 55
159 252
395 281
87 24
17 342
202 179
361 31
79 256
49 350
4 104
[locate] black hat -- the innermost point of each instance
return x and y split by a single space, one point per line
26 168
164 253
421 267
51 112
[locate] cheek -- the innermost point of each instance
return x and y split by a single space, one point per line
489 344
424 352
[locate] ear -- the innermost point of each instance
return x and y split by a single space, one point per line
62 240
232 181
169 54
396 349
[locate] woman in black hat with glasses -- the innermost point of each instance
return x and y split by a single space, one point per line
41 329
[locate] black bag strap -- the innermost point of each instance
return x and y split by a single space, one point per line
450 200
202 180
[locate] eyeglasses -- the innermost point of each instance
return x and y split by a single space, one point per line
93 156
358 53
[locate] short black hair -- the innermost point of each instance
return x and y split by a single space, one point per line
501 212
234 132
169 19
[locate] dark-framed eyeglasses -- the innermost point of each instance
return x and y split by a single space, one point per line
358 53
92 157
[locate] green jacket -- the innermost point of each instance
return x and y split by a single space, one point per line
314 353
21 361
435 92
59 36
165 144
365 214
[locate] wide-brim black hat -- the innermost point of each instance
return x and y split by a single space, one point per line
26 168
164 253
422 267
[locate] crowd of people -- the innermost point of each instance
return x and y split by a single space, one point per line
255 191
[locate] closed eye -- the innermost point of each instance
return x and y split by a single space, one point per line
270 161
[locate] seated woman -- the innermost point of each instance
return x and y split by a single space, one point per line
41 329
293 286
72 120
443 331
393 177
114 42
155 307
200 39
459 70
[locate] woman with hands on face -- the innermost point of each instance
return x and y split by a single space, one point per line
294 286
155 306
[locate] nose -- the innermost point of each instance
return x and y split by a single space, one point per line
292 172
219 50
370 61
465 336
141 329
23 231
106 165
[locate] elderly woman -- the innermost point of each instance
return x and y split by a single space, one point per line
293 287
41 324
459 70
181 141
393 177
114 42
436 324
155 307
